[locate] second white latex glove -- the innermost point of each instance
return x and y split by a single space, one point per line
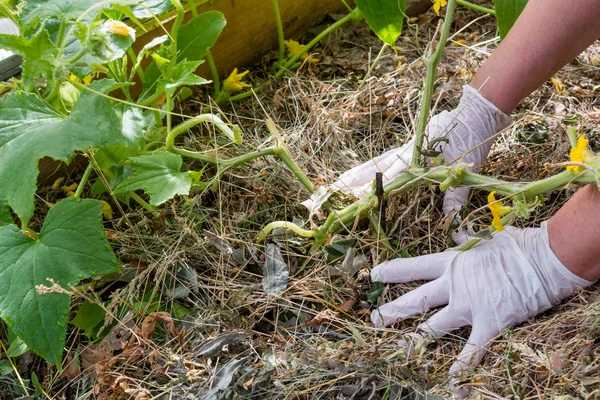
467 129
498 283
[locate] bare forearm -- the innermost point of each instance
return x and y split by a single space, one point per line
547 35
574 233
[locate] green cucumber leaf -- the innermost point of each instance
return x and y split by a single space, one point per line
159 175
193 42
150 8
71 246
5 217
183 75
385 17
39 10
30 130
17 348
17 345
199 35
5 367
38 55
507 12
88 317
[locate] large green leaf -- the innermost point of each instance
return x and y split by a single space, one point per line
199 35
193 42
35 10
38 55
385 17
507 12
30 130
88 317
149 8
71 246
159 175
183 75
5 217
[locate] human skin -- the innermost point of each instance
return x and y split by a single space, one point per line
548 35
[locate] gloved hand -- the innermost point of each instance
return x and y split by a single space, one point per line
467 129
498 283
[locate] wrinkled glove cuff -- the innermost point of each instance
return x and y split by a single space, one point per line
473 99
558 280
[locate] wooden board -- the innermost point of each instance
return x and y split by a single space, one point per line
251 31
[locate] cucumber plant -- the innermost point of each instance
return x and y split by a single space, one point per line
74 96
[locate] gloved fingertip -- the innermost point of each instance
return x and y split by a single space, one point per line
376 273
377 318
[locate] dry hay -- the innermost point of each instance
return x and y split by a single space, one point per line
313 341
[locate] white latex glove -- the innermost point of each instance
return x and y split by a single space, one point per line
498 283
466 127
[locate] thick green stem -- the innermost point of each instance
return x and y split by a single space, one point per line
234 162
283 224
284 156
84 179
476 7
214 73
193 8
169 102
175 32
152 99
313 42
190 123
420 176
431 61
144 204
280 37
77 57
61 33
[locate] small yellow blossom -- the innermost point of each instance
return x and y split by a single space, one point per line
234 81
498 210
118 28
107 211
459 43
580 154
294 48
57 183
86 79
438 4
558 87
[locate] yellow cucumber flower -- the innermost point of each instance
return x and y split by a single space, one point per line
438 4
234 81
86 79
580 154
294 48
498 211
119 28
